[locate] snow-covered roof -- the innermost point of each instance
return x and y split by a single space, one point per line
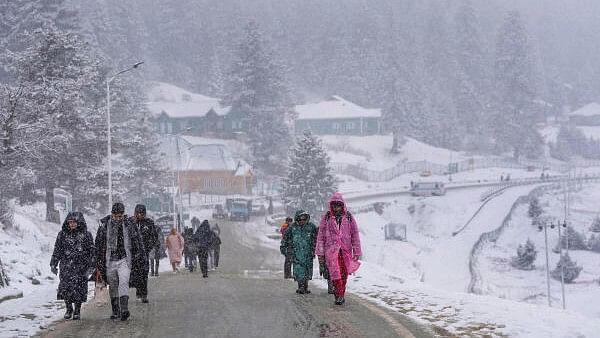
209 157
591 109
334 108
177 102
200 153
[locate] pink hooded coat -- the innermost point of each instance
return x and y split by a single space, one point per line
174 245
331 239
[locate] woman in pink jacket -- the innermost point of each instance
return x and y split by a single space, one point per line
338 241
174 243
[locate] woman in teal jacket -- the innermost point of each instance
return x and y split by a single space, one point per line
301 237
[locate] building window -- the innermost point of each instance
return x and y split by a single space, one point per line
169 128
213 183
337 126
163 127
349 125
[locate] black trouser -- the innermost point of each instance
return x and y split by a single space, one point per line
142 290
153 265
287 266
216 251
203 258
190 259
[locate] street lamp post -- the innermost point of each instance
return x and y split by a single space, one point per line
109 150
544 226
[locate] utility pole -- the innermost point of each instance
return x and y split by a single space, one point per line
544 226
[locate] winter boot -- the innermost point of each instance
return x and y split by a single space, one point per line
114 302
77 311
300 289
69 312
339 300
145 299
305 286
330 287
124 310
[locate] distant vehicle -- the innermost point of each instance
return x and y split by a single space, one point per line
425 173
395 231
239 208
428 189
219 212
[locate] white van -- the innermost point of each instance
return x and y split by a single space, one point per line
428 189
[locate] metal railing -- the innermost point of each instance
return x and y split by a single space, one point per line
402 168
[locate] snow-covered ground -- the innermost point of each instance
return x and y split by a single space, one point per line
502 280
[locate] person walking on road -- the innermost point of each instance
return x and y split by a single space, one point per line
75 254
149 233
338 243
289 255
189 249
175 244
157 253
215 247
300 238
121 258
203 238
216 229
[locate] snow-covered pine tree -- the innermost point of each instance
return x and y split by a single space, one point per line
136 144
257 93
594 243
514 91
535 209
471 84
595 225
3 276
573 239
62 80
571 269
216 84
310 181
22 138
526 255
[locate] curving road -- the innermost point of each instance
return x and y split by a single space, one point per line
246 297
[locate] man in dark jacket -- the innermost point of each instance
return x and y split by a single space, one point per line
189 249
121 258
215 247
75 254
203 238
149 235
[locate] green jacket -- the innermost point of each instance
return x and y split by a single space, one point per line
301 241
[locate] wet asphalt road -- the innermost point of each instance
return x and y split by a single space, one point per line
245 297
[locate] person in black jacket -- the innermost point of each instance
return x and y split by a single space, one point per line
149 234
215 247
189 249
75 255
203 238
121 258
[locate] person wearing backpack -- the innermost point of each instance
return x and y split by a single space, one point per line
338 244
300 240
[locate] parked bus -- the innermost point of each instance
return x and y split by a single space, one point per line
428 189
